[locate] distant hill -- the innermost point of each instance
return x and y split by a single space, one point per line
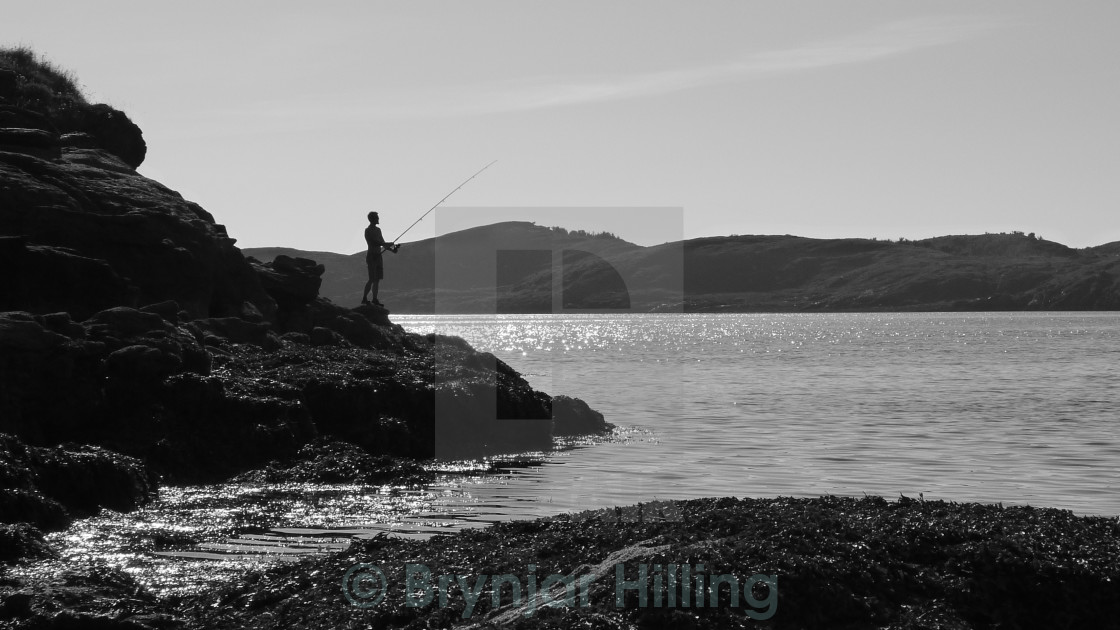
494 269
1108 248
470 263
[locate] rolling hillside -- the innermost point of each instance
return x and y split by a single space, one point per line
520 267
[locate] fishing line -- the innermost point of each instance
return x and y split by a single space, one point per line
383 248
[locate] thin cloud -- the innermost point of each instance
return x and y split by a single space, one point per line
538 93
888 41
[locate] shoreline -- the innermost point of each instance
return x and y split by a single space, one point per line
875 561
838 561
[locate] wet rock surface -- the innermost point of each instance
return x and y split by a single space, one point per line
83 597
44 489
49 486
204 399
20 542
572 416
327 461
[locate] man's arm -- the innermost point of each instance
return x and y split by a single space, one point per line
387 245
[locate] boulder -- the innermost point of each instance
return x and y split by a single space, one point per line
145 342
290 281
48 486
572 416
168 310
112 129
85 479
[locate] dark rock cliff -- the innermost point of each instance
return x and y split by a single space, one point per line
135 323
85 232
139 346
131 323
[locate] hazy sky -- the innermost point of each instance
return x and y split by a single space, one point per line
289 121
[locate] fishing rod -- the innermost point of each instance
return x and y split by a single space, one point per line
383 248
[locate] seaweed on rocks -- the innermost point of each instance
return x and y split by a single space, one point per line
47 487
332 461
838 563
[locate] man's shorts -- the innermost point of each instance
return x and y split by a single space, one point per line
376 267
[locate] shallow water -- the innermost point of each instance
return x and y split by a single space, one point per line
193 537
1004 407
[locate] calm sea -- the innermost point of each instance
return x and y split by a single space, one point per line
993 407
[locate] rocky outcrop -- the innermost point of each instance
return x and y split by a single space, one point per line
88 212
292 282
34 95
333 461
104 127
204 399
22 542
572 416
47 487
35 142
130 321
47 278
113 360
65 596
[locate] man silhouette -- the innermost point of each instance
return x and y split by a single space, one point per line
375 244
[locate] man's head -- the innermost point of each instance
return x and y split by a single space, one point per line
373 218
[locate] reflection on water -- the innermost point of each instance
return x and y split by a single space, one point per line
991 407
193 537
1007 407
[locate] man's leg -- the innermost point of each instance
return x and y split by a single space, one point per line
365 291
376 284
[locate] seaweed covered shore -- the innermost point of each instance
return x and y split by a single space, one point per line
829 562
